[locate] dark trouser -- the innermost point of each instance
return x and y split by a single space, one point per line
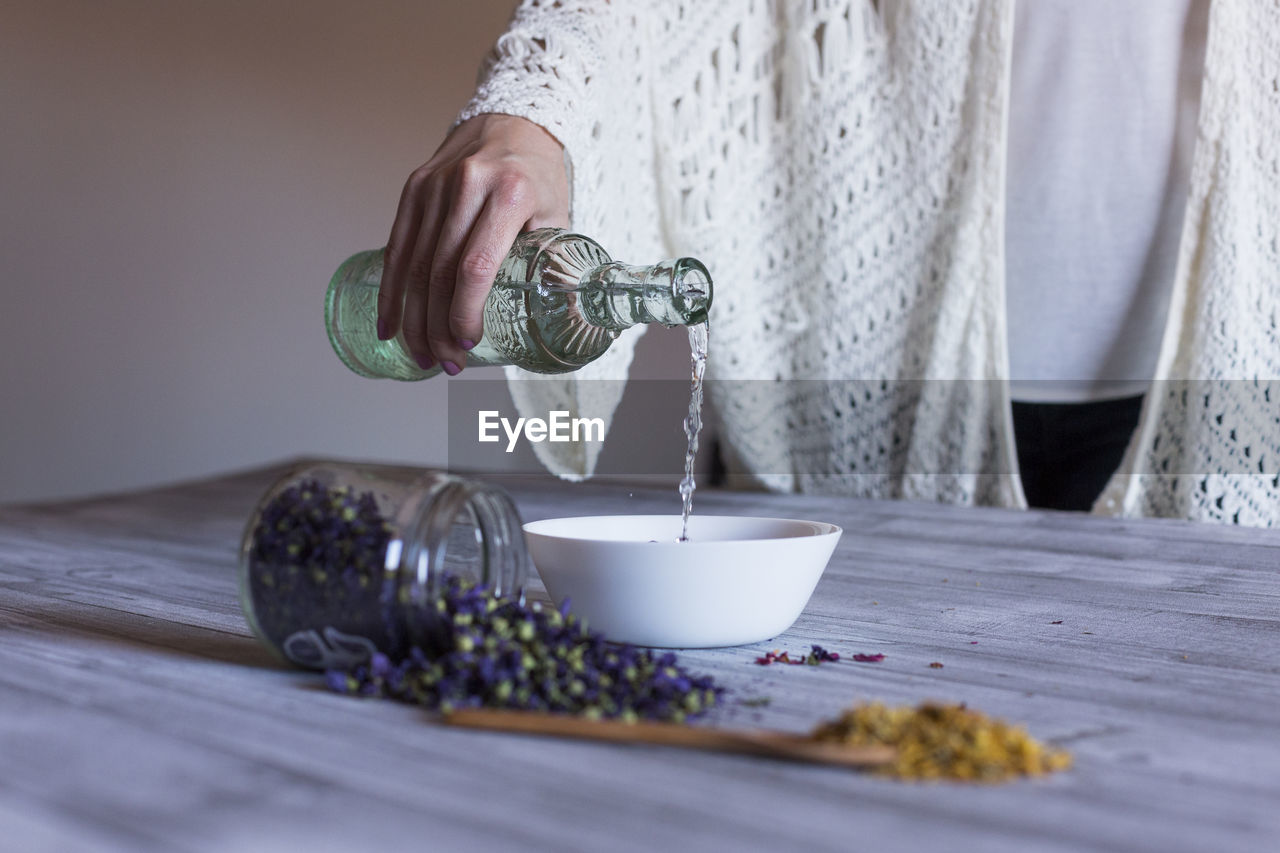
1068 451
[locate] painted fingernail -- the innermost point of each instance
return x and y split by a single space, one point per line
382 329
467 344
426 362
450 368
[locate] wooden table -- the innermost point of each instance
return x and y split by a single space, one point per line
136 712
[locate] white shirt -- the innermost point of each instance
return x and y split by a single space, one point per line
864 176
1104 98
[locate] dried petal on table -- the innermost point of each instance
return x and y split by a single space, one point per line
817 655
944 742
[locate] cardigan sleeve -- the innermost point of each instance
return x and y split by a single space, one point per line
581 70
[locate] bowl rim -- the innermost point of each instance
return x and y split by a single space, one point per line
820 529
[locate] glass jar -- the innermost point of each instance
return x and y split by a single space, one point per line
339 560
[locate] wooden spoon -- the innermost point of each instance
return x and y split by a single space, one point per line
768 744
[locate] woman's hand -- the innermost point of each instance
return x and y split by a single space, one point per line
493 177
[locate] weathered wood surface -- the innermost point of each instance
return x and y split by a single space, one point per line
136 712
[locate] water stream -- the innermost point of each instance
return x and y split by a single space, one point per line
698 340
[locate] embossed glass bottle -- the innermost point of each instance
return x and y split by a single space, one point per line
557 303
339 559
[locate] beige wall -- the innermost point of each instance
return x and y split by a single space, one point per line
178 179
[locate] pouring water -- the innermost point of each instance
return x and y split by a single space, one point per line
699 336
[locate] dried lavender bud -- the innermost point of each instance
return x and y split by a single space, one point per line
320 592
315 573
817 655
507 654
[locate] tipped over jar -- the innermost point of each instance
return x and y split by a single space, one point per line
341 560
557 303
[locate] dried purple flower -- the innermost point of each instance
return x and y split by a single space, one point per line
507 654
316 559
816 656
819 655
320 590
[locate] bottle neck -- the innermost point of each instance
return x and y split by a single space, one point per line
461 530
617 296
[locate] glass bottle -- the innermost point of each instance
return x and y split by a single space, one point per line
339 560
558 302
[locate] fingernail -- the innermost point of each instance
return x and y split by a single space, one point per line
382 329
450 368
467 344
426 362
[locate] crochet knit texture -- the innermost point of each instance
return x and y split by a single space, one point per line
839 165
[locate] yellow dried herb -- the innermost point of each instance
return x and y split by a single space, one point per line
944 742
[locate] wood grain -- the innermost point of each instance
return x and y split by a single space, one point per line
779 746
136 712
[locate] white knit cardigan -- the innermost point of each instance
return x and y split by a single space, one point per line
839 165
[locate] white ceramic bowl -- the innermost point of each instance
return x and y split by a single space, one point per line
736 581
